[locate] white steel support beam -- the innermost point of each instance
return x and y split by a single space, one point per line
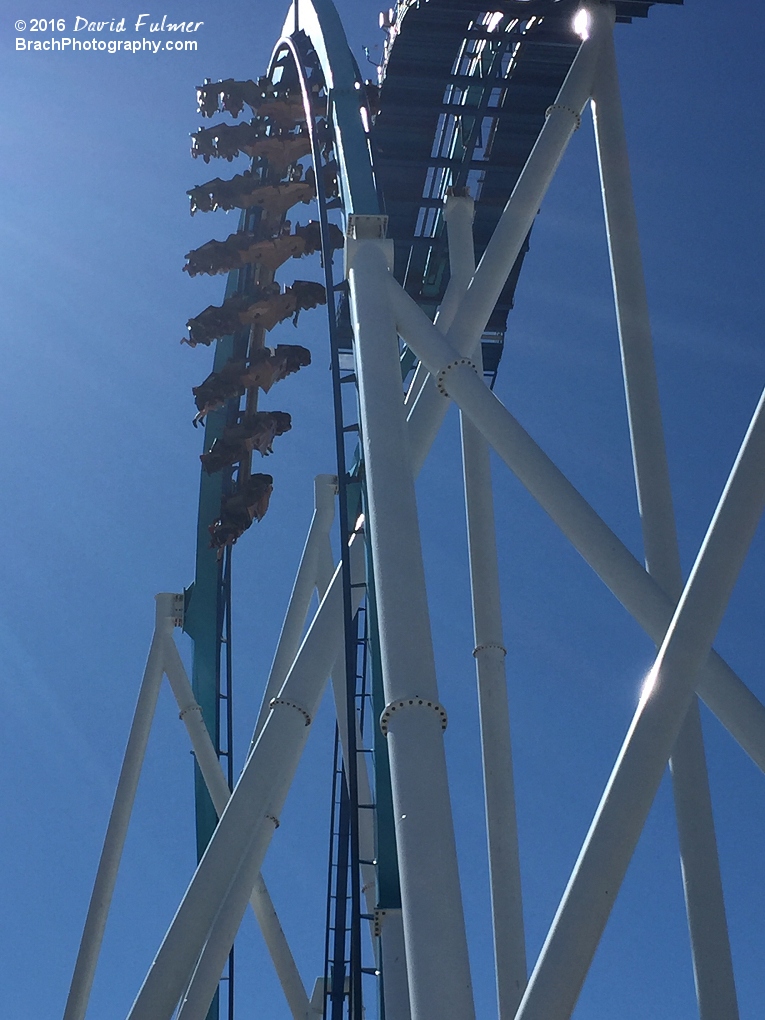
325 490
434 926
119 820
724 693
496 749
594 884
712 963
217 786
224 879
393 957
499 788
464 333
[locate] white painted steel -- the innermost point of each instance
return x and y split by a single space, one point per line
119 819
705 907
217 785
592 889
723 692
434 927
470 321
459 212
394 979
325 490
393 966
496 749
228 870
499 788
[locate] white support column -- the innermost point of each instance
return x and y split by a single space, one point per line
394 977
217 786
464 333
668 690
325 490
434 927
226 875
393 966
712 963
459 211
731 701
124 798
499 789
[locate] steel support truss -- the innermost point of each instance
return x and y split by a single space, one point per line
681 619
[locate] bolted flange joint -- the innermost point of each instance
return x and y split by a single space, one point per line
452 364
566 109
489 644
193 707
285 703
415 702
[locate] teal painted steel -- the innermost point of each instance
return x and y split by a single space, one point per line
203 610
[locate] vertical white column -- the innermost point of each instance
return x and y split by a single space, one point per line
116 831
499 789
668 690
434 926
712 963
393 966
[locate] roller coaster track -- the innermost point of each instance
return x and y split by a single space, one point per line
471 106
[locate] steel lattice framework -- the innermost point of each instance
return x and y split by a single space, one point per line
440 173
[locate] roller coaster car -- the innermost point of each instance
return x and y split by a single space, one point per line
217 321
225 141
247 190
233 93
280 151
256 139
273 310
282 106
246 249
256 431
249 503
266 367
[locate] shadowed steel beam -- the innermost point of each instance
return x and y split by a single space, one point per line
434 926
499 790
496 749
592 889
119 819
464 333
705 906
217 785
226 875
325 490
731 700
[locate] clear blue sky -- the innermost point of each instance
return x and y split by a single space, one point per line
101 474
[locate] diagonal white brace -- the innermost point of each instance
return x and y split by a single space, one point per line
742 714
226 875
562 966
702 883
217 785
124 798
